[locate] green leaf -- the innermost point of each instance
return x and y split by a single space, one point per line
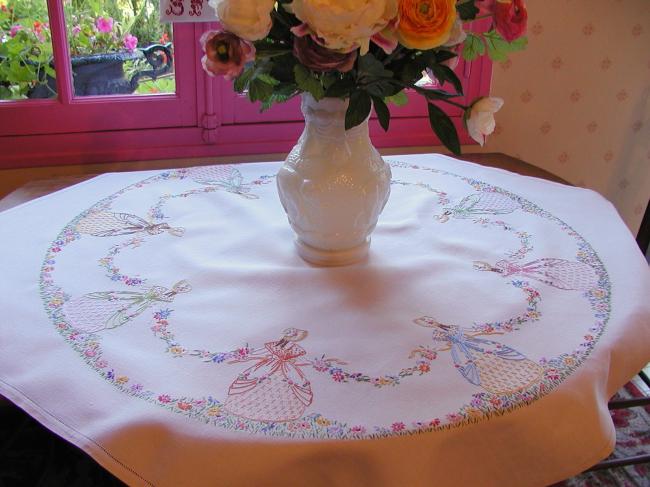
382 87
264 50
519 44
282 68
498 48
467 10
267 78
443 55
14 47
358 109
383 114
329 79
444 128
398 99
276 98
306 81
411 72
259 90
287 90
20 73
369 66
473 47
445 73
241 82
434 94
341 88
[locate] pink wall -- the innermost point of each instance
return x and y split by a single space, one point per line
577 101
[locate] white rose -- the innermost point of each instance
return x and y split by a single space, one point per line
480 122
344 25
248 19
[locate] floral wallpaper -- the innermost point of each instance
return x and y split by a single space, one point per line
577 101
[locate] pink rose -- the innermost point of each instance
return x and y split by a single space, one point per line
511 18
130 42
225 53
387 38
319 58
104 24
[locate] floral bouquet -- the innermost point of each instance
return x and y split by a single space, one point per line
367 51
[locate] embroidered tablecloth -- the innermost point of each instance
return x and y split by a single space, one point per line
163 322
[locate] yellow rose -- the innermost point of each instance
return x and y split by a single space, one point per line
425 24
250 20
344 25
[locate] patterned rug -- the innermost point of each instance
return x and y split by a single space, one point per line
632 438
31 455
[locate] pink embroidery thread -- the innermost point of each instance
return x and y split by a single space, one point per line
274 389
559 273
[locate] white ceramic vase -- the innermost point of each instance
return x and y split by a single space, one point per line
333 185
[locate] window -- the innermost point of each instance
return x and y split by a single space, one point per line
59 115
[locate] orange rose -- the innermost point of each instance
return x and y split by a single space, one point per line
425 24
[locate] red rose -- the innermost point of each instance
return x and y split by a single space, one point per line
319 58
225 53
511 18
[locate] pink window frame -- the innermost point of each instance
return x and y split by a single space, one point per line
203 119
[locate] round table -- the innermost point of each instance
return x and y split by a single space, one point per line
163 322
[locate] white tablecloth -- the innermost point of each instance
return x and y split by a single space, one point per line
163 322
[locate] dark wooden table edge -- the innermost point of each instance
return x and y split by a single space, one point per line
41 186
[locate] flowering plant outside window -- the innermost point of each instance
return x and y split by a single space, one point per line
367 51
89 34
25 52
93 27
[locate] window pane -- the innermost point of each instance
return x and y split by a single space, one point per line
119 47
25 51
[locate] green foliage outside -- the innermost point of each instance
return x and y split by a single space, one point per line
25 47
25 38
161 85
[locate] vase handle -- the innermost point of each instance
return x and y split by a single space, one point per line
160 58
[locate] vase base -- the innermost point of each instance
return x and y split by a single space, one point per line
332 258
